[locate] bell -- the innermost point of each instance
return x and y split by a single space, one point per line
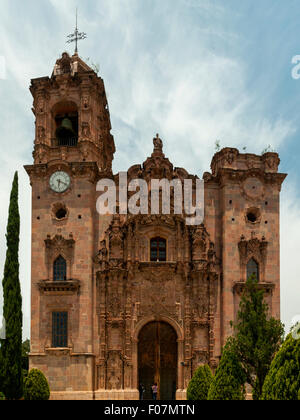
67 124
65 134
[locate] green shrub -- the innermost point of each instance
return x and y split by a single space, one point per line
2 396
36 386
228 382
200 384
283 379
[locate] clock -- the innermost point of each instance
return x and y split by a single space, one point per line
59 182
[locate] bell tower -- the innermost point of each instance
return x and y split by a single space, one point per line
72 115
73 149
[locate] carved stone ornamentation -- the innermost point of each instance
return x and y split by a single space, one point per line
57 246
40 154
199 358
114 370
253 248
85 130
224 159
116 245
101 257
271 161
85 102
203 252
253 189
41 134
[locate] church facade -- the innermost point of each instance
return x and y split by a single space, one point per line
119 300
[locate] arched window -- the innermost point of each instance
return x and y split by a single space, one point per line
60 269
252 269
65 122
158 249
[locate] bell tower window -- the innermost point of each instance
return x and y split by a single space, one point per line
60 269
158 249
252 269
65 124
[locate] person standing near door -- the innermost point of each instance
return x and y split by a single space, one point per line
141 390
154 391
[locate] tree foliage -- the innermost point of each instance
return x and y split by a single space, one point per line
228 382
11 347
283 379
200 383
257 336
36 386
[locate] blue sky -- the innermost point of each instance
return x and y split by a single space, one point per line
192 70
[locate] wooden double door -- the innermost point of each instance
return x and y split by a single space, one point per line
157 360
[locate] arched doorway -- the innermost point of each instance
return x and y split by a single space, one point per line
157 359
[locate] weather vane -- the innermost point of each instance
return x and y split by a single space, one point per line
76 35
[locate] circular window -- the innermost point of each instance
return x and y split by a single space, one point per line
61 214
59 211
253 215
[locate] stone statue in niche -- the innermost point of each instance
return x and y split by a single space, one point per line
85 130
84 151
40 106
86 102
114 382
41 134
199 241
39 154
116 239
115 373
101 257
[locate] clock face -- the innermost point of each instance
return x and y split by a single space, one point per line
60 182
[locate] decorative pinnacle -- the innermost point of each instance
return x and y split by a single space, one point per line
76 35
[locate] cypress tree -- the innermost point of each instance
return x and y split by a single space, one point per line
1 371
283 379
228 382
199 384
11 349
257 336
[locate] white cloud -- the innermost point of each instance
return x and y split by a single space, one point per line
290 261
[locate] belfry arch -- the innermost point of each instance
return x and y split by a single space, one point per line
65 122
